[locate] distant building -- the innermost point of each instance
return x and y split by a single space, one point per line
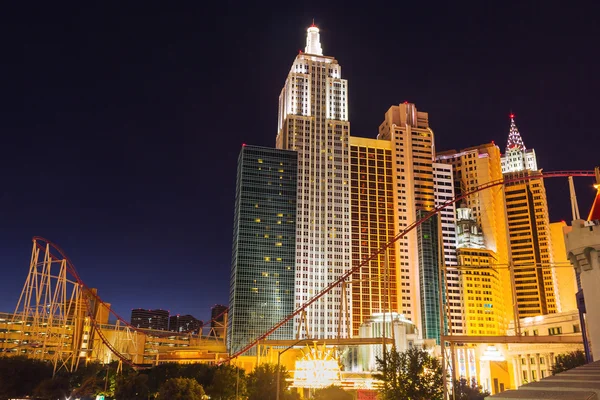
150 319
185 323
217 315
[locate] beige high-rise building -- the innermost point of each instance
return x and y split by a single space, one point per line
374 286
412 142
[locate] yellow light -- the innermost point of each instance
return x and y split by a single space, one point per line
317 369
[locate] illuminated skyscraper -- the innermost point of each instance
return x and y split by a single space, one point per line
473 167
412 153
374 287
261 289
313 121
529 230
480 278
443 185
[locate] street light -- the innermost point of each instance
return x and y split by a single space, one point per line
279 361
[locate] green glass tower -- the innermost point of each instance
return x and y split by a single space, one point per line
261 291
429 284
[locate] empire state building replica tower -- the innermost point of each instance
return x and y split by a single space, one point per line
313 121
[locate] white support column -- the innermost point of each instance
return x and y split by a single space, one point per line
516 371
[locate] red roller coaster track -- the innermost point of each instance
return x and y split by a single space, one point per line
71 268
342 278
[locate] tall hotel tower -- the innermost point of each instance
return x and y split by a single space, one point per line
529 230
412 154
261 291
313 121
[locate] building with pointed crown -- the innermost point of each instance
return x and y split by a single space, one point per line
517 156
530 247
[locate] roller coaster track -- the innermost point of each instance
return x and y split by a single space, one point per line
87 292
342 278
41 243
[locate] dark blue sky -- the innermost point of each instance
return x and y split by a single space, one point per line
121 125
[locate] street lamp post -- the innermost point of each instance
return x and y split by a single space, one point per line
279 362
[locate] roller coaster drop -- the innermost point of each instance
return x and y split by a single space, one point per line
56 304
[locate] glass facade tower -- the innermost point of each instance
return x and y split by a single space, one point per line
429 276
261 289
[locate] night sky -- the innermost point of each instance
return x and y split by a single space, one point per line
121 126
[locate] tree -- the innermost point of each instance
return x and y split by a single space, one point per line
262 382
410 375
202 373
87 380
158 375
464 391
132 387
20 375
332 393
568 361
53 388
228 382
181 389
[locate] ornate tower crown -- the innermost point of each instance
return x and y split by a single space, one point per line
514 137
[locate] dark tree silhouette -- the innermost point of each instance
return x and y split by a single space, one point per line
567 361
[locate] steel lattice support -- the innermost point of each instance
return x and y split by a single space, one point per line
49 312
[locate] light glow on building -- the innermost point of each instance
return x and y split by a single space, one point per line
318 368
492 354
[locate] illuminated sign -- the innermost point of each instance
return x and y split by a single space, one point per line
317 368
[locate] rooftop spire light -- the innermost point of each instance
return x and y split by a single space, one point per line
514 137
313 41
